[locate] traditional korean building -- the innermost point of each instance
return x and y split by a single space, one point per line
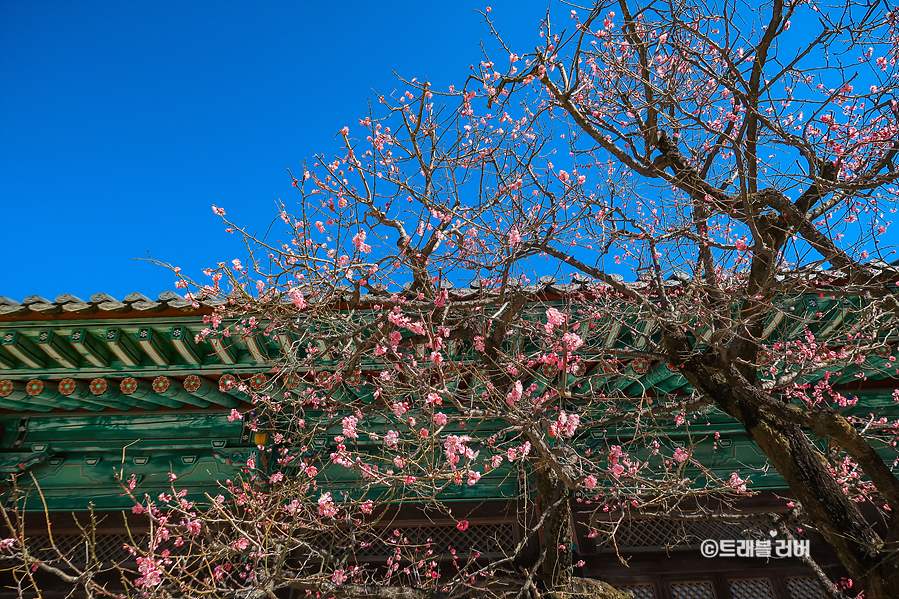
91 389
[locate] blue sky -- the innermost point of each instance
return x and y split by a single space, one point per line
121 123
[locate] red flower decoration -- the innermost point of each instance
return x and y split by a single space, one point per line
549 370
640 365
128 386
160 384
6 388
257 381
192 383
34 386
227 381
98 386
67 386
291 381
325 379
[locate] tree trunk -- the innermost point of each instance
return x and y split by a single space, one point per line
556 530
869 562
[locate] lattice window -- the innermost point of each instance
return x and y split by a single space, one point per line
487 539
638 591
108 548
751 588
633 534
805 588
701 589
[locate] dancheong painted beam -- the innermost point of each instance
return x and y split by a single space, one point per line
92 389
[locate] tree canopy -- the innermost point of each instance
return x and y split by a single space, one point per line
660 214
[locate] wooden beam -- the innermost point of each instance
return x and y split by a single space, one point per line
142 391
108 391
182 345
12 390
202 387
163 385
775 320
46 393
148 342
13 396
255 349
80 390
58 348
118 344
23 349
285 340
223 350
835 319
88 346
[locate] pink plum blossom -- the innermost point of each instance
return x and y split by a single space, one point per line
390 439
349 427
326 506
359 242
554 318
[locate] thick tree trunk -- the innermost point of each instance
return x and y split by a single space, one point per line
556 530
873 565
557 566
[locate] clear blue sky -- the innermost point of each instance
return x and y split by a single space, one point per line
121 123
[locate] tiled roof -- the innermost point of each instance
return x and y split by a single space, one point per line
139 303
99 302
